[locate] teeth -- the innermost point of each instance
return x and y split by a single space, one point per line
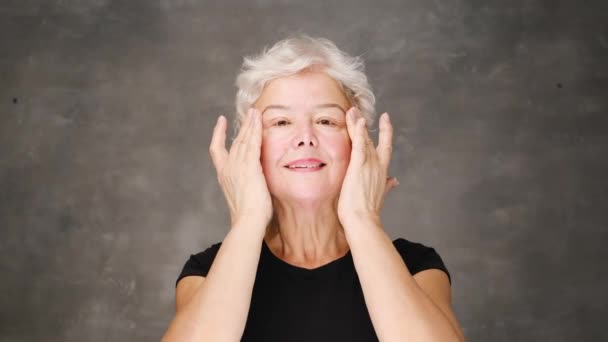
305 166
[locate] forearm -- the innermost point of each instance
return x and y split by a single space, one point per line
398 307
218 309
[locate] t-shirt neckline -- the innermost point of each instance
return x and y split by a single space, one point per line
297 270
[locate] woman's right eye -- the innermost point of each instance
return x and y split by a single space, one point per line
280 123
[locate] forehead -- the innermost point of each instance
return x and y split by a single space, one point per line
302 90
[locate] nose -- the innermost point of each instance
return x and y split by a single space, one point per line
305 136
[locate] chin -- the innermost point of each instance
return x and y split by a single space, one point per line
304 195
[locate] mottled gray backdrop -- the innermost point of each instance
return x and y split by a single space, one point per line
106 187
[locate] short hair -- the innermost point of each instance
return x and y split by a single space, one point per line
299 53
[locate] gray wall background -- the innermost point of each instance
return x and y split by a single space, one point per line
106 187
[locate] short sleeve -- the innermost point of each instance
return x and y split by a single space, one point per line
419 257
200 263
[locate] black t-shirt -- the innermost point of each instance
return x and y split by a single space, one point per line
291 303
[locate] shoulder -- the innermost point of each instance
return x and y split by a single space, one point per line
199 264
206 255
419 257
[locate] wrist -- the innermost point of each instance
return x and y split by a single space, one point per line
254 224
360 231
362 219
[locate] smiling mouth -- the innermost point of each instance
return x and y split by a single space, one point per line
307 167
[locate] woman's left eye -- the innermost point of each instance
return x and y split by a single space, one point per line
326 122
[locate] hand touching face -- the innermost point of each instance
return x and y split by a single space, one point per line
366 183
239 171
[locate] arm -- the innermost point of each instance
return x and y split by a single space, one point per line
401 307
216 309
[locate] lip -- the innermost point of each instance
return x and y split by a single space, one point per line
305 161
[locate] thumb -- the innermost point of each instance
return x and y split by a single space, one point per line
391 182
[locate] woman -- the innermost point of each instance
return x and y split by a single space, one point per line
307 258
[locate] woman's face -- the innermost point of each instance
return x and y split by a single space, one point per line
304 117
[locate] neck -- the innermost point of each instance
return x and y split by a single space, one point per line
306 234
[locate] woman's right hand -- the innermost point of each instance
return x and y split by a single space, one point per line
239 171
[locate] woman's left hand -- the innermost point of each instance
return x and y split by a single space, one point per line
365 183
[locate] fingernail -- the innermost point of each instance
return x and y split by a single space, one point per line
386 117
396 181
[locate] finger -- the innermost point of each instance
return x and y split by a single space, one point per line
217 148
357 115
256 138
391 183
359 148
351 123
245 125
241 137
385 140
249 150
368 140
370 152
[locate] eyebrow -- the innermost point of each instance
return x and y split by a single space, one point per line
323 105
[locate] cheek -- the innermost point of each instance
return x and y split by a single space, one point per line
339 148
272 150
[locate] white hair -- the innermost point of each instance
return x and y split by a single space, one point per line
299 53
